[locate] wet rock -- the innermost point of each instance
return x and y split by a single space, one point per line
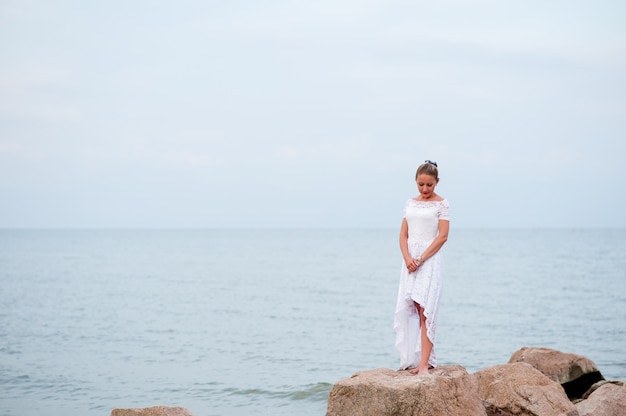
520 389
152 411
574 372
605 398
448 390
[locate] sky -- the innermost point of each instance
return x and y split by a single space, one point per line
257 114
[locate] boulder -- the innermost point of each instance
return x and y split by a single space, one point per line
574 372
153 411
447 390
605 398
520 389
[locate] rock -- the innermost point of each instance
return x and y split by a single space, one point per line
574 372
606 398
520 389
599 384
153 411
448 391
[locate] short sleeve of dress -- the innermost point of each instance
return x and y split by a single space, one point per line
406 205
443 212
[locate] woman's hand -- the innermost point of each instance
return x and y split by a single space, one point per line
412 264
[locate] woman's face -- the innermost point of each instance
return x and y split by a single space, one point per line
426 185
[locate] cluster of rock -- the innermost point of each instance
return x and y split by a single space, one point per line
535 382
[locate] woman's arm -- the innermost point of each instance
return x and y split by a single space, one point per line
438 242
411 263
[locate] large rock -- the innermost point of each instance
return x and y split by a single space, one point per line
447 391
606 398
153 411
520 389
574 372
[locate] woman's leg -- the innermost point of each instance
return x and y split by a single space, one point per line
427 346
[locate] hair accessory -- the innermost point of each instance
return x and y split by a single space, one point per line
431 162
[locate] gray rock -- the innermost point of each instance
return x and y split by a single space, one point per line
152 411
520 389
606 398
575 373
448 391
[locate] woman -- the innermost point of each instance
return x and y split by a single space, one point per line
423 232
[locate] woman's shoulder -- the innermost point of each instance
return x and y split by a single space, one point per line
438 200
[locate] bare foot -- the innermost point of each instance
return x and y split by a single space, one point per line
419 371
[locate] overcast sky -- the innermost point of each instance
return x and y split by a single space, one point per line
311 114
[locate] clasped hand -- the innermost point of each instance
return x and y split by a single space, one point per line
412 264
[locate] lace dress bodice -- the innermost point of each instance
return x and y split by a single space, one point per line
423 218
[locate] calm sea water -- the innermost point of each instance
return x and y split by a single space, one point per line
234 322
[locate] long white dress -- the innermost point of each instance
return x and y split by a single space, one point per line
422 286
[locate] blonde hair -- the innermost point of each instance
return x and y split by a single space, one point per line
428 168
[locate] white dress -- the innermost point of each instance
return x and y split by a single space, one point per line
422 286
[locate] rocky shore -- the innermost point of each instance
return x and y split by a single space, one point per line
535 381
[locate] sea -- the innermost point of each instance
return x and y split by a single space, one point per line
237 322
